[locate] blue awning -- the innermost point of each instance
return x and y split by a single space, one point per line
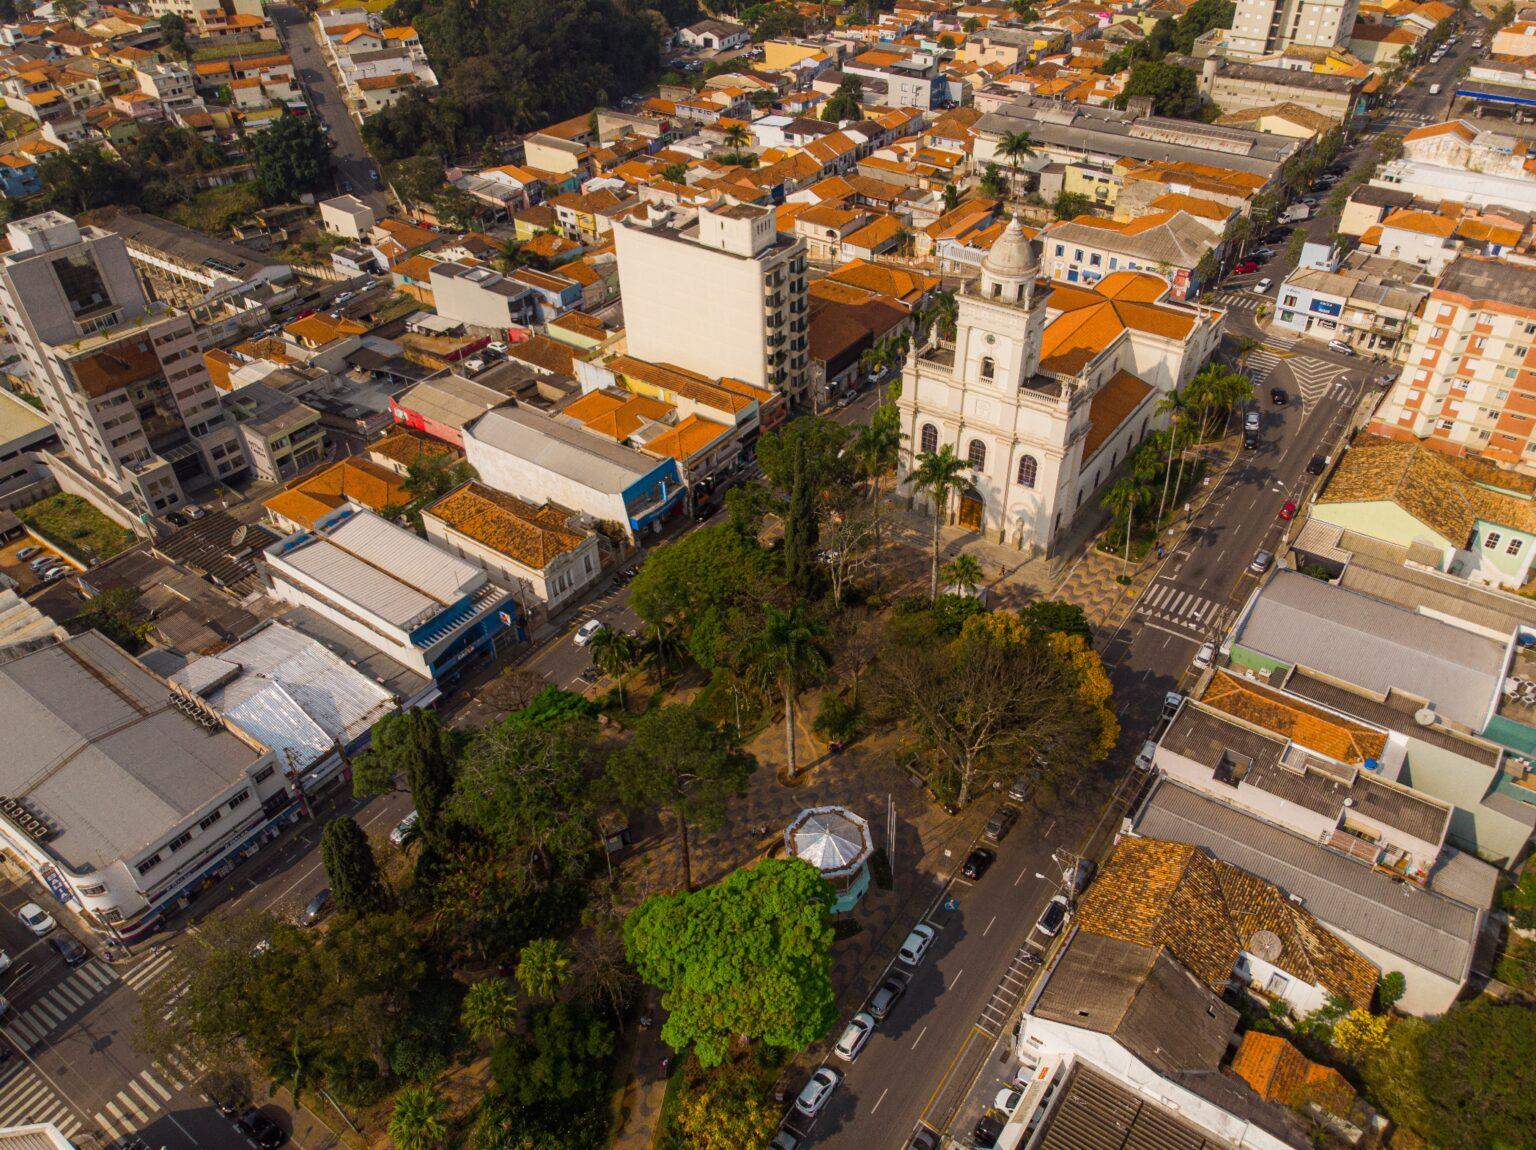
1499 96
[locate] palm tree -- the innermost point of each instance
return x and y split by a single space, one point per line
1173 406
419 1120
941 314
615 652
876 360
543 967
1121 499
736 136
489 1009
964 572
878 451
785 655
939 473
1015 145
664 645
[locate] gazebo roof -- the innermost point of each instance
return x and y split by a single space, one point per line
832 839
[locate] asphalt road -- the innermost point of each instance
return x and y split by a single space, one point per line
349 160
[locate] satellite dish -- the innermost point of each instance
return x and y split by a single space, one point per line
1265 944
238 537
1424 717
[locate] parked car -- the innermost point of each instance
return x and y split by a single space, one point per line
1317 465
977 863
262 1130
67 948
26 553
1262 286
177 519
988 1129
1007 1098
924 1139
1251 420
816 1092
36 919
1339 347
1053 916
785 1140
1247 267
1278 396
315 909
1001 823
229 1092
1018 792
497 346
917 944
5 962
1172 701
1205 656
886 995
1145 755
854 1036
1079 875
1288 511
1262 561
586 632
195 510
403 828
1264 254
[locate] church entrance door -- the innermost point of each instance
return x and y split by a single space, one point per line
971 510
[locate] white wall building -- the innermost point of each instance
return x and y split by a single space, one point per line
1263 26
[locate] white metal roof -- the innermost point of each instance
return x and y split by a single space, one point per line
831 839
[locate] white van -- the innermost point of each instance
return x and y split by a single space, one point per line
1434 89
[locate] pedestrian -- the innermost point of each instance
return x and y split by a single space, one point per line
666 1061
645 1022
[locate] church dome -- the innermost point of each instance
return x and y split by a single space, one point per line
1012 256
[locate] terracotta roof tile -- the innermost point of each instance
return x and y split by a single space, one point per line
358 480
1112 405
532 535
1308 726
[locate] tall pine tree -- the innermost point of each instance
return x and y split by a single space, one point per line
350 866
800 532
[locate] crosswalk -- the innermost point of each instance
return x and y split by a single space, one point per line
1172 607
26 1098
1242 300
1316 378
146 1094
31 1026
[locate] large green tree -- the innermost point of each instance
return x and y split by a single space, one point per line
489 1009
350 866
560 1058
784 657
414 745
827 462
679 760
750 956
844 103
543 967
1173 88
291 159
419 1120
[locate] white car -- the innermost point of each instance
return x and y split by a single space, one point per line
917 944
497 346
1262 286
36 919
587 632
403 828
817 1091
1205 656
857 1033
5 962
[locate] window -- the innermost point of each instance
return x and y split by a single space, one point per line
929 439
1514 547
238 799
1028 468
148 864
976 455
988 367
94 889
1060 251
179 841
586 564
209 819
1491 541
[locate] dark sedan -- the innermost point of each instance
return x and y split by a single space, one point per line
261 1130
977 863
1278 397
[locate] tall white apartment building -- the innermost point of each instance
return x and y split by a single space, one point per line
721 292
121 377
1468 382
1263 26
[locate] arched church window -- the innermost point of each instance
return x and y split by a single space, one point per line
988 367
976 455
929 440
1029 467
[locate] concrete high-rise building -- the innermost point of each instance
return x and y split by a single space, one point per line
121 377
1468 382
720 292
1263 26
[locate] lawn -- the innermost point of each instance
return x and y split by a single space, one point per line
73 525
216 210
236 51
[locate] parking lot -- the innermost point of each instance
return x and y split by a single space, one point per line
16 559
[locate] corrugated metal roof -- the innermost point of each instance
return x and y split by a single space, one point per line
408 557
1423 928
1375 645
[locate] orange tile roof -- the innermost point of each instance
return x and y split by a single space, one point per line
1308 726
358 480
1278 1072
406 445
1425 223
1091 319
880 279
618 416
1112 405
1450 127
688 384
524 532
692 435
318 330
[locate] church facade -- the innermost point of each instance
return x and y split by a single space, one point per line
1047 388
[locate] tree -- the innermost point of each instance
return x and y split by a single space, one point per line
844 103
800 529
1121 501
878 451
951 198
1198 19
350 867
675 173
1391 988
1015 146
418 179
560 1059
615 652
489 1009
785 655
727 1112
419 1120
413 744
1056 617
941 314
846 534
431 476
454 207
115 613
1070 205
681 761
940 474
1173 88
988 700
543 967
737 136
173 30
992 181
964 572
1174 406
838 719
827 463
749 956
291 159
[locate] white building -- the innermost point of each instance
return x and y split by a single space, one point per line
541 459
480 297
347 216
1047 387
720 291
424 607
1263 26
1465 162
124 792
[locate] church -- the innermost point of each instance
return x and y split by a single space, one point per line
1047 387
